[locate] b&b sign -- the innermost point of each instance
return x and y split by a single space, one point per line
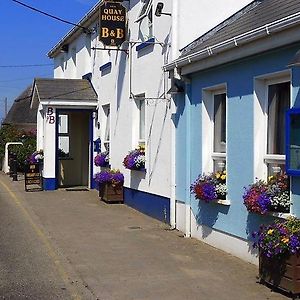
113 22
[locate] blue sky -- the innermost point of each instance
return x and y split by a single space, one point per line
26 38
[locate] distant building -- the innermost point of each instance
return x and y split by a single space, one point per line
22 115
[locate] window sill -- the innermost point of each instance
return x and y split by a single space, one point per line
145 44
280 215
105 67
222 202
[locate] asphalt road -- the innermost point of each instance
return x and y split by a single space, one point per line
30 266
70 245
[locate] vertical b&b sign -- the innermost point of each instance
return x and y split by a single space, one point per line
113 23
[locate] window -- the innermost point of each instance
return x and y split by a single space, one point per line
106 140
145 19
214 133
219 136
278 102
146 7
141 104
63 136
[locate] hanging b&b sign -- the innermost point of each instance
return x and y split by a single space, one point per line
113 22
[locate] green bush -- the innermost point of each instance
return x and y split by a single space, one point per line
9 133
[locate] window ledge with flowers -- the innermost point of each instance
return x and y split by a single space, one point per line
135 159
211 188
271 197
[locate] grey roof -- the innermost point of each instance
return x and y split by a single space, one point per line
65 89
256 14
20 112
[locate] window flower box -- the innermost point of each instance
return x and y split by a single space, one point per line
110 185
272 196
279 254
210 188
135 159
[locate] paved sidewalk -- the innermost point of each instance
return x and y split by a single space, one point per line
121 254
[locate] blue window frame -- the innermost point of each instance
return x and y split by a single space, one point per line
293 142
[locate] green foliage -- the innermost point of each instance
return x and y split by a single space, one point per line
9 133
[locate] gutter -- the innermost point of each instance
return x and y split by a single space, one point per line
236 41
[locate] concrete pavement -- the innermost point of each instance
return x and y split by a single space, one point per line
114 252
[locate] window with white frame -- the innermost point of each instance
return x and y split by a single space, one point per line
63 136
145 18
278 102
106 136
141 105
214 133
272 100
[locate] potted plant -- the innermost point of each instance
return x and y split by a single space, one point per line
279 254
263 197
110 185
102 159
210 187
135 159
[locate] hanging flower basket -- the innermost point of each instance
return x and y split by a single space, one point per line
102 159
210 187
271 196
110 185
135 159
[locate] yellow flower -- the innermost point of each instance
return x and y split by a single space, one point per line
270 231
270 178
285 240
217 175
224 172
223 177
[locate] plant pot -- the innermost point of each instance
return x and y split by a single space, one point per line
281 272
111 194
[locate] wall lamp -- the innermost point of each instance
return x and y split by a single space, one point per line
295 62
159 8
64 48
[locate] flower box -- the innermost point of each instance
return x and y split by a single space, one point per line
211 188
281 272
110 185
111 193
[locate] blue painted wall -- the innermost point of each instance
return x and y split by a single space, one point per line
155 206
239 78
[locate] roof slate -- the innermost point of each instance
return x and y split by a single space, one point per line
256 14
65 89
20 112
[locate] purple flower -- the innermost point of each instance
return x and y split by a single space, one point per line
102 159
115 177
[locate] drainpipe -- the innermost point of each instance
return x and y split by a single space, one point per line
174 55
188 212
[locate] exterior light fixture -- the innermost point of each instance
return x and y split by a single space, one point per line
64 48
159 8
176 87
295 62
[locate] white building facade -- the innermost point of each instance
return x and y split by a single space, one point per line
133 106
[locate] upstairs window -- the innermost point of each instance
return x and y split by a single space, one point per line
219 129
145 20
146 7
278 104
106 140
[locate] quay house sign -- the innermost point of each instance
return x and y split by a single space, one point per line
113 22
